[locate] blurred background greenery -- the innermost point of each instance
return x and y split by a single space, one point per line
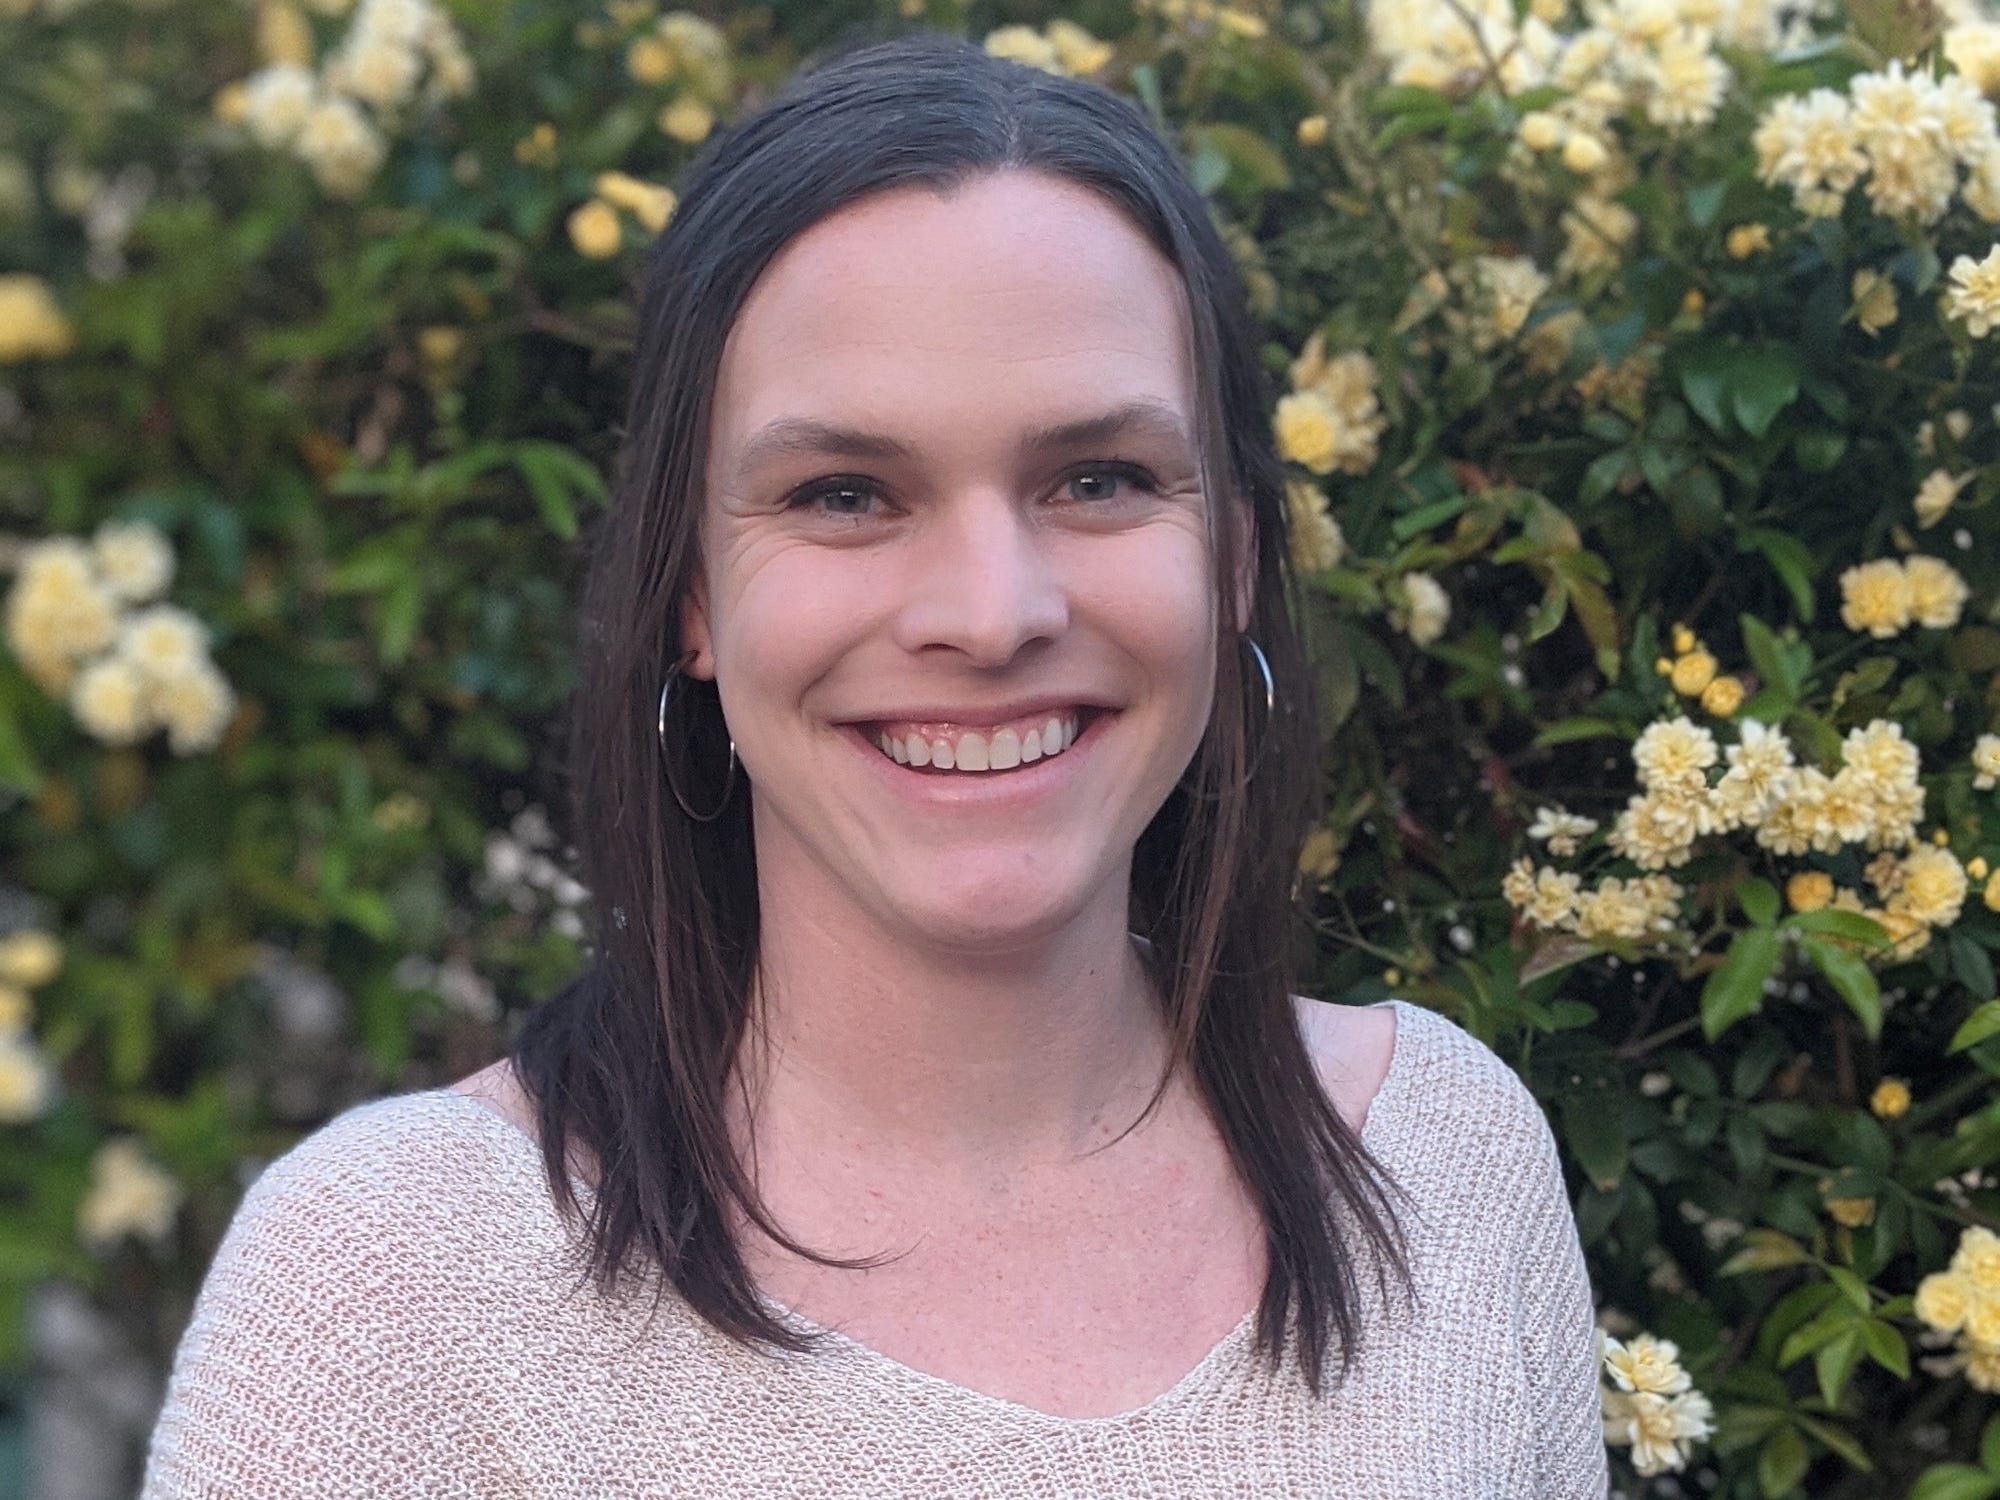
1633 361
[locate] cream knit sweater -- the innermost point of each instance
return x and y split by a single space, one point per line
391 1314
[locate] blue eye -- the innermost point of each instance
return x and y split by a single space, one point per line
1104 480
842 497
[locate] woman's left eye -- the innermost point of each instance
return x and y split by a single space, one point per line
1093 486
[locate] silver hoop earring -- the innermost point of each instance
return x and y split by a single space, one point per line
1264 671
667 764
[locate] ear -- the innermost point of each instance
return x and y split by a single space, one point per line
697 646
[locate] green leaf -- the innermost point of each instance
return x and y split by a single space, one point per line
1851 978
1840 1442
1835 1362
1763 381
1791 560
1989 1446
18 770
1819 448
1736 988
1418 521
1704 382
1844 924
1565 731
1764 1250
1251 153
1594 1127
1976 1028
1781 1463
1886 1347
1767 653
1850 1286
1969 961
1704 202
1955 1482
1759 900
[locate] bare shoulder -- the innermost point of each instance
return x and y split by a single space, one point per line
496 1087
1351 1046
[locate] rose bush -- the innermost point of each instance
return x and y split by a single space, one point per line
1635 364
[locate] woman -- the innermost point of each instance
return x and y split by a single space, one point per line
937 1120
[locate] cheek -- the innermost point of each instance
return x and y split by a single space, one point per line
784 618
1155 595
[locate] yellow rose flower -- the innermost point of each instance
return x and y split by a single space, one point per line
1583 153
1540 131
1809 890
1942 1301
1306 426
1982 1318
440 344
538 147
1991 895
31 325
649 204
29 958
594 230
650 61
1312 130
1891 1099
1937 592
1875 597
1874 301
25 1083
687 120
1692 673
1746 240
1722 697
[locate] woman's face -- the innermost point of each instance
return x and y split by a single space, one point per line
954 518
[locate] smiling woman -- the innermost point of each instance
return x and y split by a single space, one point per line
937 1118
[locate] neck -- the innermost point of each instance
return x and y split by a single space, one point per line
869 1042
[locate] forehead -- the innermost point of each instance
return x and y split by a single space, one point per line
1015 300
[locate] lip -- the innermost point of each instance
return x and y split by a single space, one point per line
984 789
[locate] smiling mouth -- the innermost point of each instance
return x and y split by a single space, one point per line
986 750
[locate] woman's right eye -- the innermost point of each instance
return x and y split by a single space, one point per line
835 497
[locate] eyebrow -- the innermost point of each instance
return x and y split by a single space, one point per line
787 436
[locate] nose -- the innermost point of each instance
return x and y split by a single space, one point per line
983 582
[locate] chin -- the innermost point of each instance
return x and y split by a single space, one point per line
982 914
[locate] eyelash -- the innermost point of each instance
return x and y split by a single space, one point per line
842 484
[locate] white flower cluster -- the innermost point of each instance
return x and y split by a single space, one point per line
1332 420
1650 1404
73 624
1986 762
1872 799
1503 292
1317 540
1657 57
520 871
1424 610
395 53
128 1195
1902 136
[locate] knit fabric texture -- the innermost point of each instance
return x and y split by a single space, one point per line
395 1311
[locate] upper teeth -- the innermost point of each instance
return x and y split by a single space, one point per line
1001 748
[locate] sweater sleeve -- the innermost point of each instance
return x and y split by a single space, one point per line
319 1360
1557 1334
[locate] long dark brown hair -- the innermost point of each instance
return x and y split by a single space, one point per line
633 1060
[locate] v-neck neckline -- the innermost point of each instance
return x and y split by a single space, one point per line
1227 1352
